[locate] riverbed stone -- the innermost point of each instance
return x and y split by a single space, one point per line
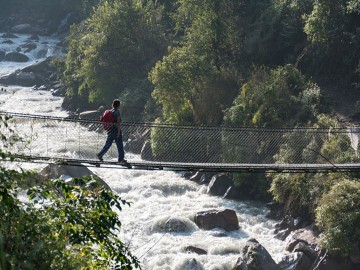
201 177
255 257
16 57
192 249
191 264
135 141
225 219
219 184
9 35
22 28
57 171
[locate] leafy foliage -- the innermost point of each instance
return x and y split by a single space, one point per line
58 225
274 98
300 193
112 52
341 231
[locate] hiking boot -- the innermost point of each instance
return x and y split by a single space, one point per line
99 157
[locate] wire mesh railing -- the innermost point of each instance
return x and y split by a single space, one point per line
62 138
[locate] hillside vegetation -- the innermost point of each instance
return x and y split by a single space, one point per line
263 63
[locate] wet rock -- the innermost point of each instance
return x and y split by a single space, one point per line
173 225
42 53
296 261
56 171
9 35
225 219
276 210
22 28
29 46
16 57
135 141
282 234
232 193
306 249
8 41
2 55
201 177
176 225
219 184
192 249
255 257
19 78
34 37
191 264
308 235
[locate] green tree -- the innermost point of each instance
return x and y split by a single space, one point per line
332 28
275 98
341 231
197 79
112 52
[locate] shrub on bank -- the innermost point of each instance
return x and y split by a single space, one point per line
338 215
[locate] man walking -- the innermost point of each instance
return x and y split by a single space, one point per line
114 134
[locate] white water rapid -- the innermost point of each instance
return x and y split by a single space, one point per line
156 197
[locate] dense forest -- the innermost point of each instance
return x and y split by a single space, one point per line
259 63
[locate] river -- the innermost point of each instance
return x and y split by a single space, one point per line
156 196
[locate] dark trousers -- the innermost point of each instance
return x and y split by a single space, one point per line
111 137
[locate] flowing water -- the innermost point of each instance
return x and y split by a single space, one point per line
159 198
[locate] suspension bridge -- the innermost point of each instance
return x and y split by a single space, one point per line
151 146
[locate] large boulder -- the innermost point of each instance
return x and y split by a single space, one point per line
225 219
219 184
19 78
16 57
296 261
201 177
22 28
190 264
255 257
197 250
136 141
57 171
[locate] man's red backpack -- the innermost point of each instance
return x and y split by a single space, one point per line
107 119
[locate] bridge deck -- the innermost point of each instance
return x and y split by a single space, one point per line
208 167
152 146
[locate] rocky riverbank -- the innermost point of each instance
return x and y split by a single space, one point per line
302 237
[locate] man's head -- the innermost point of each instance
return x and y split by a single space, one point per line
116 103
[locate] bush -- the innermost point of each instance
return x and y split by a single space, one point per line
338 214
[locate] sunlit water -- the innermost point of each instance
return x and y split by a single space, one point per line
157 197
